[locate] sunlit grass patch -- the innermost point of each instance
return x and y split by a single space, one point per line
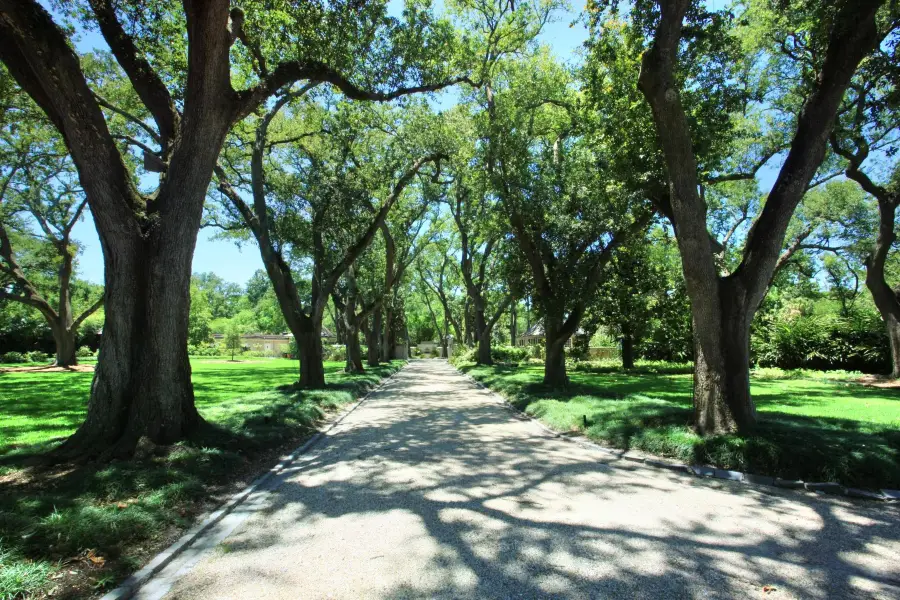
812 426
116 511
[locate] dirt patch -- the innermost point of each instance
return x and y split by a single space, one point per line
879 381
48 369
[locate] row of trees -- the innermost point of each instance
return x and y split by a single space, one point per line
541 183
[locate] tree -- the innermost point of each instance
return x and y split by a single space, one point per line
567 217
257 286
179 64
223 297
40 203
624 300
472 208
200 318
433 268
233 341
723 307
866 135
332 180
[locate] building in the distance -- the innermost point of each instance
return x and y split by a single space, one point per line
278 344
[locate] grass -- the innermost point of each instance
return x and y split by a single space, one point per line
812 426
82 529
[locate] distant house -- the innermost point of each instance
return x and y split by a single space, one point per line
278 344
535 336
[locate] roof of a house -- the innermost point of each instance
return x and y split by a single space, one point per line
537 330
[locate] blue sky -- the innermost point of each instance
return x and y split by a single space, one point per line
224 258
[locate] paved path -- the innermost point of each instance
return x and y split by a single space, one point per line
430 489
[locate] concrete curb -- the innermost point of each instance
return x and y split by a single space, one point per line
130 586
830 488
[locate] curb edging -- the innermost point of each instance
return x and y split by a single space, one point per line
829 488
136 580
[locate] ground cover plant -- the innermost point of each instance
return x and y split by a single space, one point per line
813 426
80 529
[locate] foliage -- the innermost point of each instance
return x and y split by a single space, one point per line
499 354
13 357
233 342
84 352
810 336
37 356
205 350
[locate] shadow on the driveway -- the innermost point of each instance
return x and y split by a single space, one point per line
528 516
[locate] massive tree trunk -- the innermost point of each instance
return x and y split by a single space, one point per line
722 399
346 312
627 348
555 363
483 336
555 338
387 336
372 340
65 339
354 352
142 384
339 326
309 346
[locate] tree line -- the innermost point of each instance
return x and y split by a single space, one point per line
756 143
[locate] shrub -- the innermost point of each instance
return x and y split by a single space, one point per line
84 352
798 340
508 354
37 357
334 352
13 357
462 354
205 350
499 354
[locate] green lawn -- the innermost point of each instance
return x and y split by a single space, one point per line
53 521
815 428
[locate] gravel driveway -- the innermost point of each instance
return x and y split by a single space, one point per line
430 489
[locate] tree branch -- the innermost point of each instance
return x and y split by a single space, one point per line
146 82
88 312
318 72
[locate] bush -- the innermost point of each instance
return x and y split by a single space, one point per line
37 357
823 342
84 352
536 351
334 353
508 354
499 354
13 357
205 350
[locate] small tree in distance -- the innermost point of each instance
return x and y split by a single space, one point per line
233 338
